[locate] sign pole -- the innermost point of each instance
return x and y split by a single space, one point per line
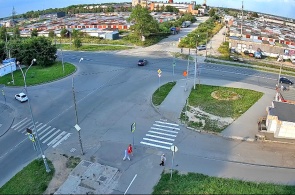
173 149
133 127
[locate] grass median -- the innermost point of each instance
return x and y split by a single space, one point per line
93 47
33 179
37 75
161 93
195 183
213 108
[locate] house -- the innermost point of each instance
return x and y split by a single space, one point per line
280 121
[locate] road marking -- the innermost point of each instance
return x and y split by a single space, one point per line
153 140
47 133
130 184
18 123
155 145
56 138
64 138
36 128
41 128
51 136
26 123
162 133
44 130
167 123
164 130
155 136
174 128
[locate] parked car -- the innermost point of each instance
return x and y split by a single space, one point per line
21 97
201 47
286 81
246 52
142 62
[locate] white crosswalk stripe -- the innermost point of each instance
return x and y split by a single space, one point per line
161 135
47 134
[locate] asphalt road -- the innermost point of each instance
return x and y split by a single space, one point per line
112 92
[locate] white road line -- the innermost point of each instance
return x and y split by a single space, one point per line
44 130
164 130
175 128
57 138
50 136
149 135
130 183
167 123
41 128
155 145
31 127
47 133
36 127
162 133
64 138
23 124
153 140
18 123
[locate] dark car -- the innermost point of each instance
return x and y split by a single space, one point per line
286 81
142 62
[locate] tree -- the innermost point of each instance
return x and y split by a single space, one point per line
77 43
143 24
198 6
63 33
3 33
34 33
254 15
212 12
51 34
16 32
76 33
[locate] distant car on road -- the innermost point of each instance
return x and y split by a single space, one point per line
21 97
142 62
286 81
201 47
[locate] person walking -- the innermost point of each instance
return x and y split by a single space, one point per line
163 159
130 150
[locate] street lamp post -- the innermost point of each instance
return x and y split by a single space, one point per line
76 113
280 73
206 44
34 124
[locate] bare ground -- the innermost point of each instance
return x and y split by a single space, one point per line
59 162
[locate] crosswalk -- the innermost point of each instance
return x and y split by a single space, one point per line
161 135
47 134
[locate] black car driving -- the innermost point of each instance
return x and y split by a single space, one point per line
285 81
142 62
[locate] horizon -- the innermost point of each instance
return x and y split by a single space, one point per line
282 8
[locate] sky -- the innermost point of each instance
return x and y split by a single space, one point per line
284 8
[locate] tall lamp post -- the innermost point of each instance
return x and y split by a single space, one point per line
34 125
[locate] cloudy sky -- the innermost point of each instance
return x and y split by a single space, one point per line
284 8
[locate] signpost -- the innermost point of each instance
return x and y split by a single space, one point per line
31 137
173 149
4 96
133 127
173 66
159 75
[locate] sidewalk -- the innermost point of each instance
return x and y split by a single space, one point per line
244 128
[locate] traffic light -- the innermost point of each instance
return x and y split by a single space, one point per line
29 131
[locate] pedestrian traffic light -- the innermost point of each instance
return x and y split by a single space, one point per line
29 131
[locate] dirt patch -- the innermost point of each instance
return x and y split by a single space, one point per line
225 95
196 115
63 165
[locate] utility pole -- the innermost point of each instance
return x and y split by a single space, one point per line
195 73
206 44
77 121
187 68
242 19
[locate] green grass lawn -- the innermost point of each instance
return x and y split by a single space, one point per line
161 93
195 183
33 179
93 47
201 97
37 74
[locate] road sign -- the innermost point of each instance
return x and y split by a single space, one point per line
133 126
174 64
31 137
159 75
159 71
184 73
77 127
174 148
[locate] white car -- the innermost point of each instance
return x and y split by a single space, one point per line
21 97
